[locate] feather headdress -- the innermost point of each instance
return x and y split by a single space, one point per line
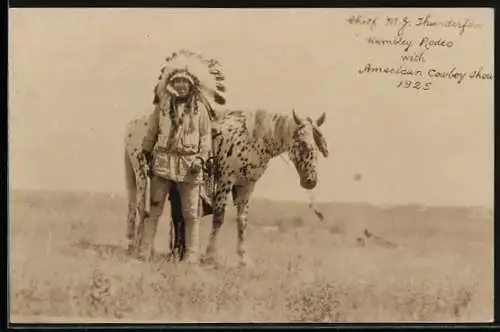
204 74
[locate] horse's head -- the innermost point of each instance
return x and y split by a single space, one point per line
306 142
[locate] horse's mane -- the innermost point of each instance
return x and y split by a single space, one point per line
272 126
259 123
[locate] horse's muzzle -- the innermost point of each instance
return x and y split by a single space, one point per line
308 183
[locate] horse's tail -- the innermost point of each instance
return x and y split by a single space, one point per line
129 174
131 194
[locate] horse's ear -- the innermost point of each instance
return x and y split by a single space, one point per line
321 120
296 118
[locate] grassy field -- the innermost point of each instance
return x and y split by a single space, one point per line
68 263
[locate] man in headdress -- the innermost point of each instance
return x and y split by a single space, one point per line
179 143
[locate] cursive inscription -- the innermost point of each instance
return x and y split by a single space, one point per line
414 68
401 70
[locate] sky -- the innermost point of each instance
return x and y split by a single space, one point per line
77 76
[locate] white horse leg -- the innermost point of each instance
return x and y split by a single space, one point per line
130 180
141 198
217 221
243 194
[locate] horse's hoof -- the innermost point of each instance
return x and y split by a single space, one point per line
130 249
245 263
145 258
145 255
209 260
140 257
193 265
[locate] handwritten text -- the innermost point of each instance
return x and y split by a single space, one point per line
414 64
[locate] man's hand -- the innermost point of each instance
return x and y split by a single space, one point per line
209 165
149 162
148 155
196 166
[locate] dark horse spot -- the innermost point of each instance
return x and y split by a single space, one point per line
230 151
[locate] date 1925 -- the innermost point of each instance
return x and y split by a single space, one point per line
410 84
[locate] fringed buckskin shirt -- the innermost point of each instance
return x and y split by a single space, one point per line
176 150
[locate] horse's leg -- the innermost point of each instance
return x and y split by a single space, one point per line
140 198
220 202
131 214
173 234
242 199
132 202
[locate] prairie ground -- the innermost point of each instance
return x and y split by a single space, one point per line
361 263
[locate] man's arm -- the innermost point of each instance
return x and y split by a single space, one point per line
205 135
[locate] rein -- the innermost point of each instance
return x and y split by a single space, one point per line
313 207
310 195
212 160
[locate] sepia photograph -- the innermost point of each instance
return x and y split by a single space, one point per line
250 165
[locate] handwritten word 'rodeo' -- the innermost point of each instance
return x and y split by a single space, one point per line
424 43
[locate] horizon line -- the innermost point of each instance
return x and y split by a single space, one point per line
123 194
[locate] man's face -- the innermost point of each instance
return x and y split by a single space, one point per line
182 86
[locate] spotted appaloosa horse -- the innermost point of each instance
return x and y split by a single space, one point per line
243 144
